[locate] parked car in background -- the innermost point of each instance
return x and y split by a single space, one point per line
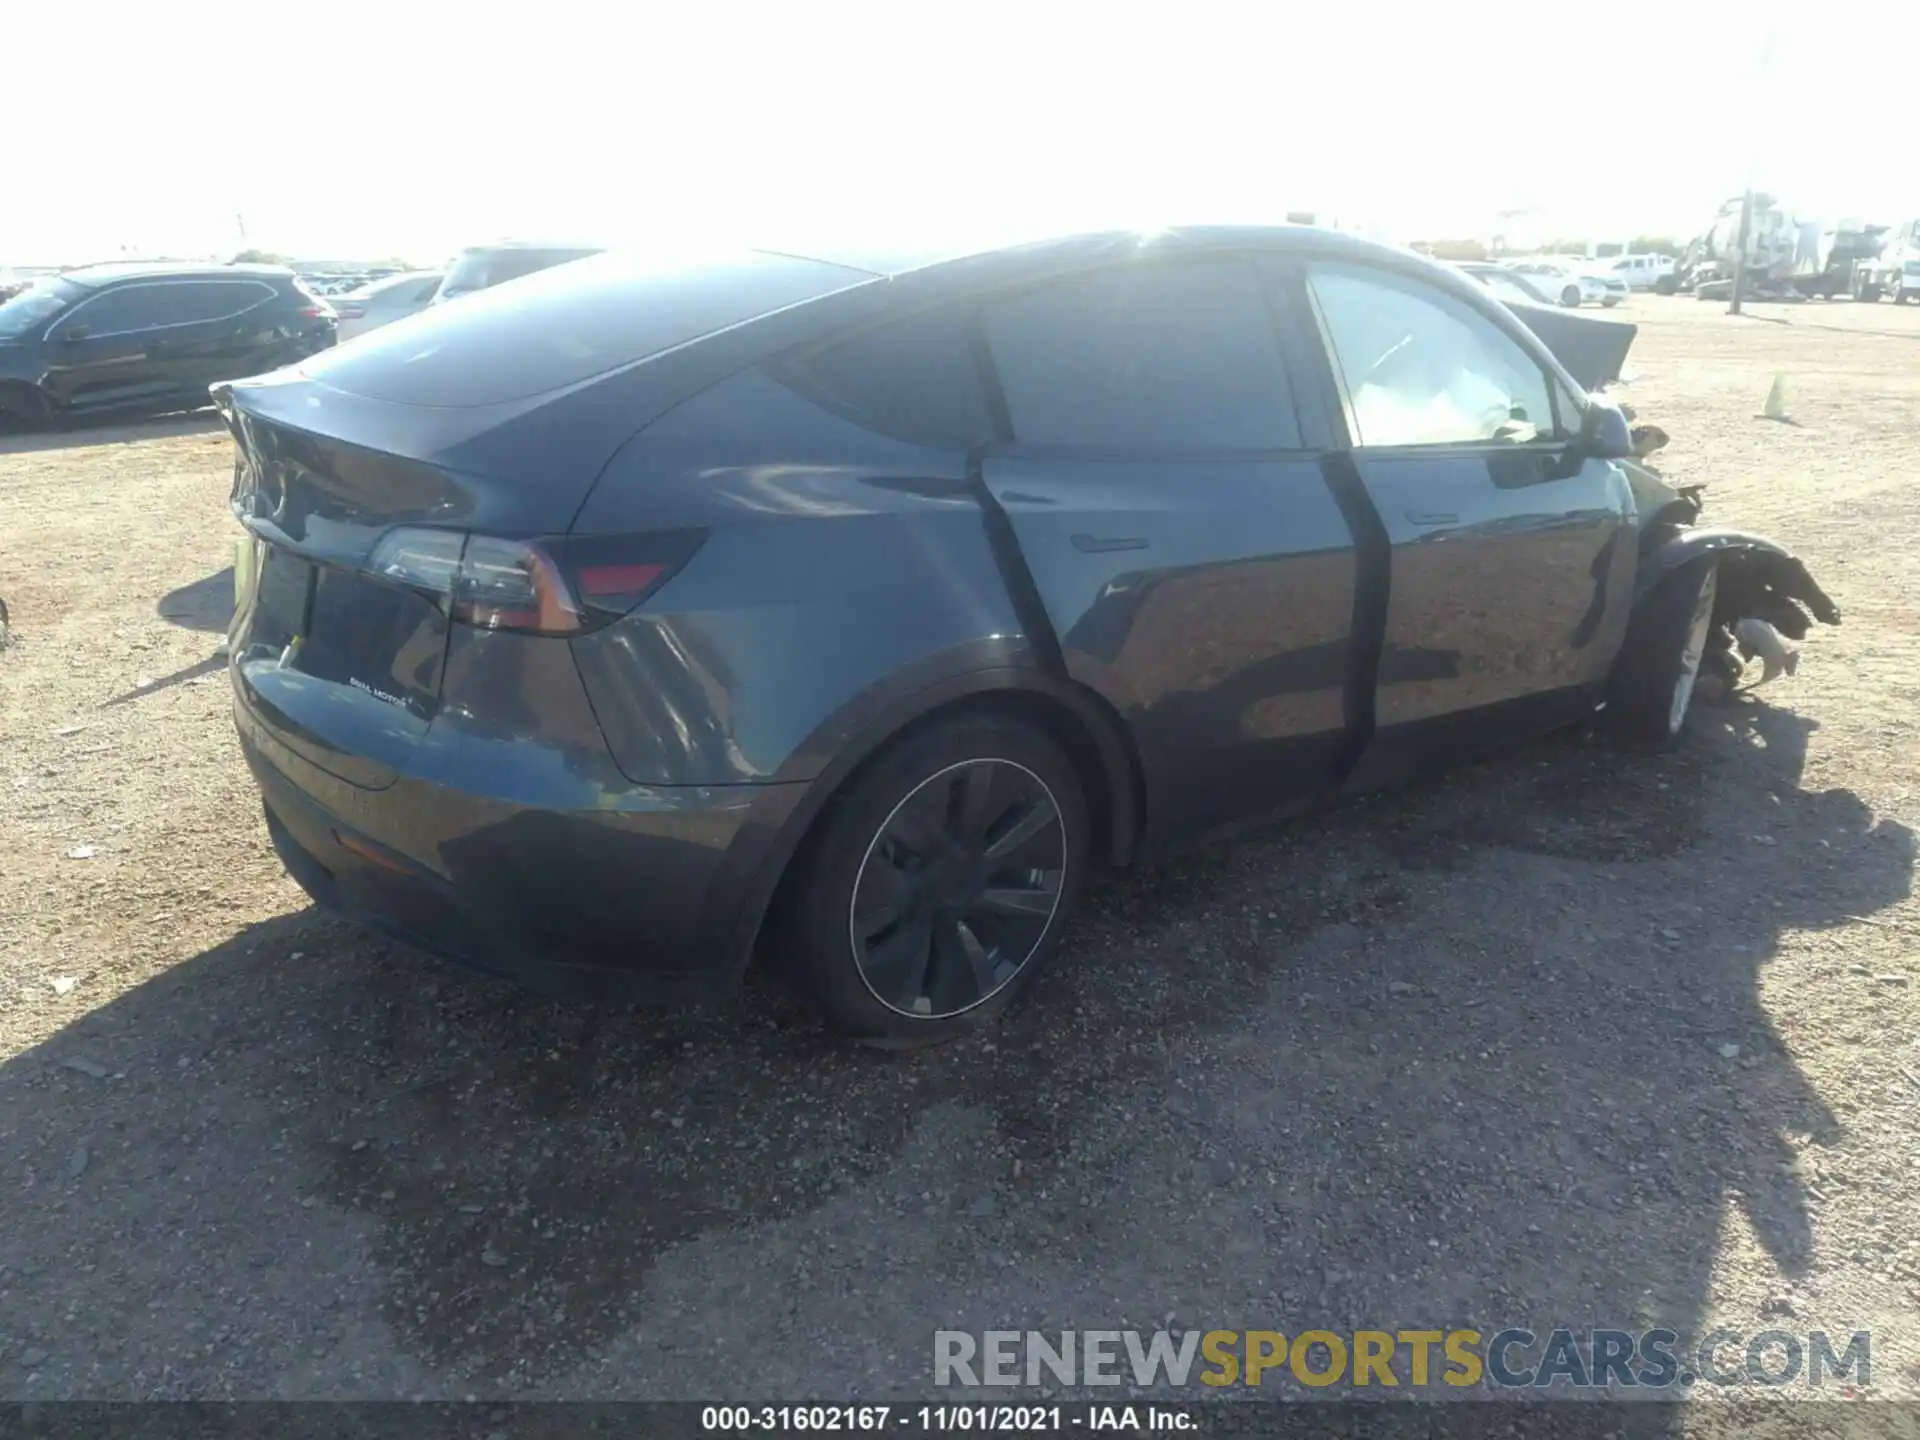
1640 272
149 338
1505 283
605 620
480 267
1568 284
384 301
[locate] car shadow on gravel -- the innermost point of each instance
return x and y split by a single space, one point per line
71 434
205 605
1459 1054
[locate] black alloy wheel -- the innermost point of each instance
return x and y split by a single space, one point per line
958 888
940 879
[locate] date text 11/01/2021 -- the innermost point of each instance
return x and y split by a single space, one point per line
938 1419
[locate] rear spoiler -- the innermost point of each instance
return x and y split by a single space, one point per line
1592 350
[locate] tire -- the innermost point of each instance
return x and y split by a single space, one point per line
1653 680
1610 301
1570 297
23 408
940 881
1900 295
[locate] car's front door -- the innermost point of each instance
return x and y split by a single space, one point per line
1167 499
100 353
1512 554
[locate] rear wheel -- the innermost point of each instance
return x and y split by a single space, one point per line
1654 678
1570 296
941 881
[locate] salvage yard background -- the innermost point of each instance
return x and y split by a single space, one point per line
1573 1036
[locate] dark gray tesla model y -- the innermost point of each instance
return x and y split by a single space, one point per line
609 621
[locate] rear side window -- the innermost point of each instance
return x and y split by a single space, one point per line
914 380
1152 356
195 300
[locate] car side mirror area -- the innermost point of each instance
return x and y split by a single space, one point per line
1606 433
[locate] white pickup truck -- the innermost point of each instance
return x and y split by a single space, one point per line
1641 272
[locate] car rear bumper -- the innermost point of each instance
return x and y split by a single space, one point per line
636 901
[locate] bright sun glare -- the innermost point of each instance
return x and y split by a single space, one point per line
415 130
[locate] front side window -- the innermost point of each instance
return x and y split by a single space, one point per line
1419 367
131 307
26 312
1152 356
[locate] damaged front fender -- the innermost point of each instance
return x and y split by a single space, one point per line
1758 579
1763 592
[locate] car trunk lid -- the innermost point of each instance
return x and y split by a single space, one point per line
494 417
343 664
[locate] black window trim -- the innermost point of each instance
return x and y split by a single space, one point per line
267 293
1008 445
1304 295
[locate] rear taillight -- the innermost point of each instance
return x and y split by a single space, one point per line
513 585
319 310
537 587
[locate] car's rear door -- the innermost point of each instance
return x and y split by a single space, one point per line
1166 497
220 330
1512 553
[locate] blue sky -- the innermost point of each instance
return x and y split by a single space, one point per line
360 130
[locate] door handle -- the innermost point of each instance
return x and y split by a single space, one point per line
1432 517
1102 544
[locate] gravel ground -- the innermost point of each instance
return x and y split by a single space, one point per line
1464 1054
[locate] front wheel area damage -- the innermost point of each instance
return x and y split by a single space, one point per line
1766 597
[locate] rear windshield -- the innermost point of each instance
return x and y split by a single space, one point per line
563 326
480 269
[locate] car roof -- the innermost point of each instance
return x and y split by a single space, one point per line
498 246
1050 248
114 271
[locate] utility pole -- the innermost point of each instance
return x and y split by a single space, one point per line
1746 199
1740 247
